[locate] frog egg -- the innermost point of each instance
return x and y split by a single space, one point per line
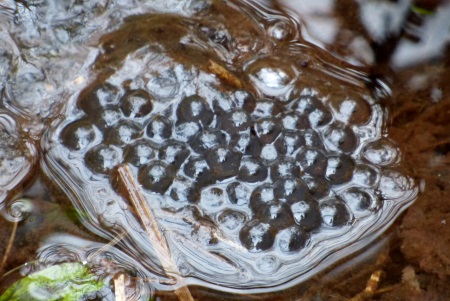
257 236
107 117
140 152
207 139
262 195
244 100
365 175
339 137
102 158
339 169
289 142
234 121
318 187
312 139
284 168
174 153
223 162
269 153
184 190
276 214
381 152
122 133
246 144
194 109
292 121
266 108
252 170
307 215
198 169
292 239
335 213
185 131
290 190
159 128
212 199
238 193
312 161
358 200
156 176
78 135
95 98
351 109
312 107
231 220
267 129
136 104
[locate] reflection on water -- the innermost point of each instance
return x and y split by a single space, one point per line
261 171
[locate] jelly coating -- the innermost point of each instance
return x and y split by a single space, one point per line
256 166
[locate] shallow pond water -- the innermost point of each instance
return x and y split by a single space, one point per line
223 145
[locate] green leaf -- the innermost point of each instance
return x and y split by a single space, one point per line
65 282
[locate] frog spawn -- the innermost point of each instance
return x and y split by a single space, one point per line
277 164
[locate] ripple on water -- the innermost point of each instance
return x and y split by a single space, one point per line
246 177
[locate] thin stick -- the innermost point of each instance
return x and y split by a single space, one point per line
9 246
131 191
119 288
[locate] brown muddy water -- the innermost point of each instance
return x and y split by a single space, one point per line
225 150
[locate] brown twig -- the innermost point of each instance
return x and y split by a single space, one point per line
119 288
9 246
131 191
224 74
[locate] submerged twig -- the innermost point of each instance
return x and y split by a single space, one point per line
224 74
131 191
119 288
9 246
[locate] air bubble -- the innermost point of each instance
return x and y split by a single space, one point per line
159 128
231 220
292 239
341 138
271 76
223 162
136 104
140 152
267 129
122 133
78 135
381 152
312 161
102 158
156 177
257 236
281 30
238 193
335 213
306 215
194 109
340 169
252 171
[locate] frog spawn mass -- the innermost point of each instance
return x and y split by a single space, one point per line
264 175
